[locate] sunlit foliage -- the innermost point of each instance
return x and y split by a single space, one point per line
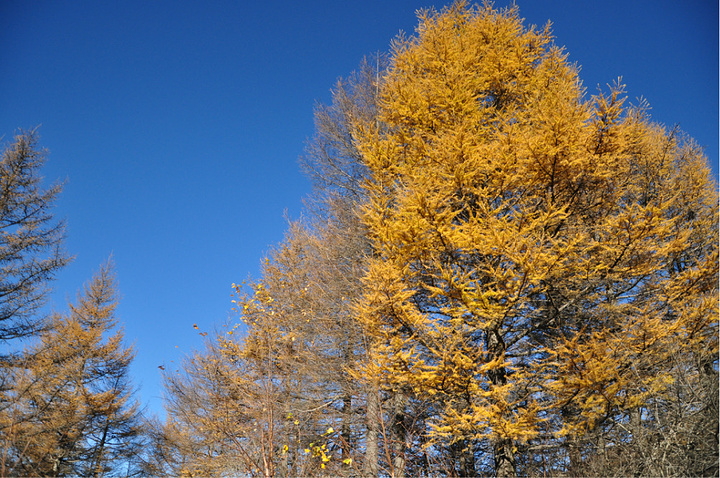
541 256
501 275
70 410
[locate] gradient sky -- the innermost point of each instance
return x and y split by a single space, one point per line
176 126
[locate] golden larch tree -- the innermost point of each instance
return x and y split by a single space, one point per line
535 251
73 411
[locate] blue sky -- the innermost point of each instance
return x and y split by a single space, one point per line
176 126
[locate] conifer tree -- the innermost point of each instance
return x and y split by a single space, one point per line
501 276
72 411
527 240
30 237
276 402
299 318
218 417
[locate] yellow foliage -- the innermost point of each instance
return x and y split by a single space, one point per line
527 240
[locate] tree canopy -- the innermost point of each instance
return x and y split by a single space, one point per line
541 258
501 275
498 274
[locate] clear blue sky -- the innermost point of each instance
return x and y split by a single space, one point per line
177 125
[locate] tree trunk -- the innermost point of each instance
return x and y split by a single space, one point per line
370 466
346 413
463 454
502 447
399 435
572 444
96 469
504 459
345 431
